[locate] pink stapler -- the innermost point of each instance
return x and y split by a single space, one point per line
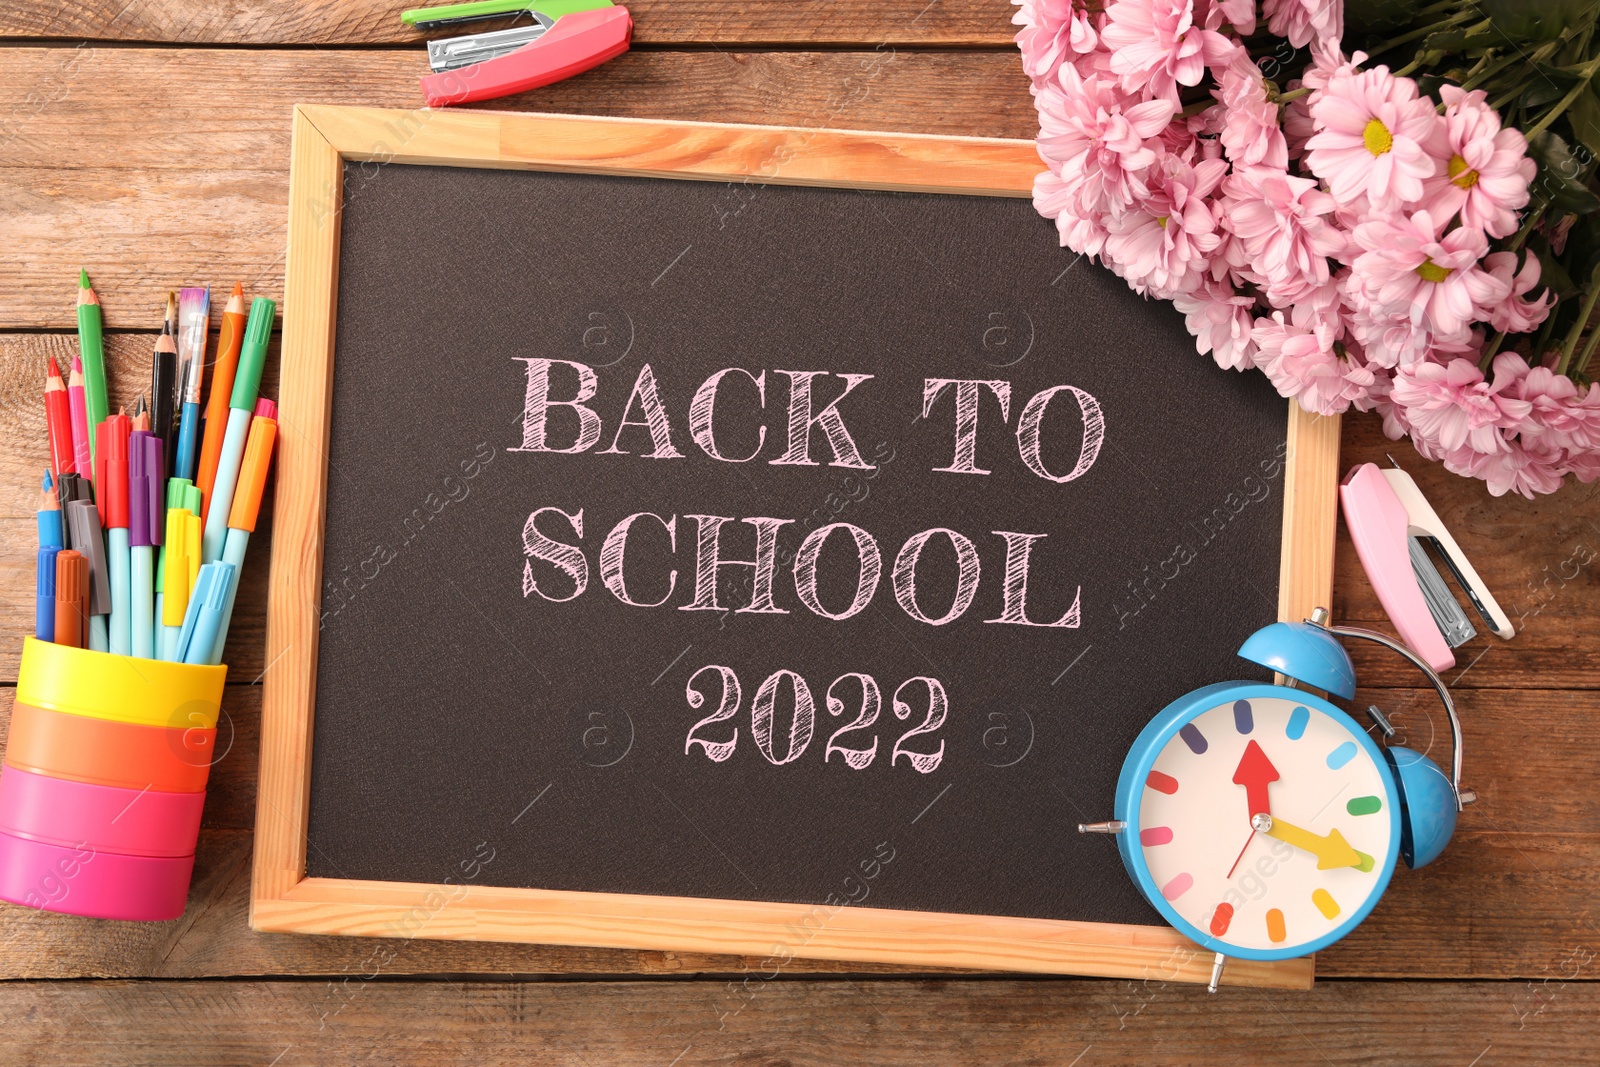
1389 519
566 37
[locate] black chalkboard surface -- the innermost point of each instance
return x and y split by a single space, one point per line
1106 531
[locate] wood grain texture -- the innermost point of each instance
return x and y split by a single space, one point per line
771 1021
751 23
100 143
1310 514
1497 906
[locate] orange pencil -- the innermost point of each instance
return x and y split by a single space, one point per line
72 597
228 345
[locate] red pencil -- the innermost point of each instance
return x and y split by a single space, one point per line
72 597
58 417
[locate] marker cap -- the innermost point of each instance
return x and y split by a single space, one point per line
253 470
138 490
253 357
84 523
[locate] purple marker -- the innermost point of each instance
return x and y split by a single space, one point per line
141 554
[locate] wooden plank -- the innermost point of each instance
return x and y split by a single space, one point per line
802 1023
328 23
100 144
1497 905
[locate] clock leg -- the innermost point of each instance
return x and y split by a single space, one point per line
1216 972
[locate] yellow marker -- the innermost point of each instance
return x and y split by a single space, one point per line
1325 903
1331 851
175 578
191 537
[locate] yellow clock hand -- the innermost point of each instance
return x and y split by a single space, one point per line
1331 851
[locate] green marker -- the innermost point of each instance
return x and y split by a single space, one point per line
91 347
449 14
246 384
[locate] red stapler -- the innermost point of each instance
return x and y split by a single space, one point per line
567 37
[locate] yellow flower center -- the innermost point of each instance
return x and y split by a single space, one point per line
1432 272
1377 137
1161 220
1461 175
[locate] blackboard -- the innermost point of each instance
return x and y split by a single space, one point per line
999 582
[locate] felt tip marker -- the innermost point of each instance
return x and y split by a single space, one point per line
72 597
210 599
142 448
246 384
114 493
44 590
246 508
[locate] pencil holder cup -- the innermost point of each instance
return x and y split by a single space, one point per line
104 781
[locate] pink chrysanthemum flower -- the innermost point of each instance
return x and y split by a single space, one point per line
1298 126
1449 406
1100 148
1053 200
1486 169
1220 320
1250 131
1373 137
1304 363
1240 14
1163 246
1052 33
1407 268
1519 468
1155 45
1305 21
1283 237
1514 314
1560 418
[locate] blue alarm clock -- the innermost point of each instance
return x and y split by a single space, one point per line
1261 820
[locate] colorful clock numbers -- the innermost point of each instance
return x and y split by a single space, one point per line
1261 820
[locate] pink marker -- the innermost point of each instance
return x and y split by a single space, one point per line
79 409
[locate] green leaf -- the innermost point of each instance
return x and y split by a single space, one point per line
1553 274
1560 181
1362 17
1535 20
1584 114
1542 92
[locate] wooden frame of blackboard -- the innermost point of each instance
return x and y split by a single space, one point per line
284 899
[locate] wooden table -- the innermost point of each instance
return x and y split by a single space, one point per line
148 140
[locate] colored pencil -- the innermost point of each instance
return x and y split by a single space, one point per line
233 326
50 527
78 409
91 348
58 421
164 385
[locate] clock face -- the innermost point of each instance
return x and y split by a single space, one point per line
1267 823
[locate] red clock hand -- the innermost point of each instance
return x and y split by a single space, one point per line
1255 772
